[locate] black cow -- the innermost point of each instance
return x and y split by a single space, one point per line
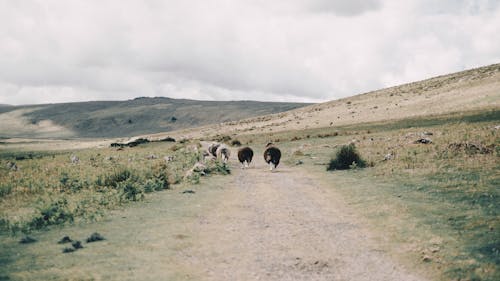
272 156
245 155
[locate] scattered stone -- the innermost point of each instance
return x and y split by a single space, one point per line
426 258
95 237
434 249
65 240
12 166
77 245
27 240
68 250
388 156
188 191
168 139
353 141
199 167
168 158
423 141
427 134
299 162
497 127
131 143
75 159
151 157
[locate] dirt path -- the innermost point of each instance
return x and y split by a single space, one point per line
252 225
284 226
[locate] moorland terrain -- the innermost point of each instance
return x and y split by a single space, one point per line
425 207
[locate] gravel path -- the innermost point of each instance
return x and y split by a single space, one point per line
285 226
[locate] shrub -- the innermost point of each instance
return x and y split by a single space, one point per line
52 214
346 158
5 189
131 191
114 179
218 168
154 184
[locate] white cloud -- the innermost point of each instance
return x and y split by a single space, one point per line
296 50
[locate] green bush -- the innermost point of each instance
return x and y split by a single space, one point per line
131 191
115 179
346 158
155 184
52 214
5 189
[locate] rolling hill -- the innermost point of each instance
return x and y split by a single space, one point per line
471 90
126 118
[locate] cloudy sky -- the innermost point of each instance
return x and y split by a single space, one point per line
283 50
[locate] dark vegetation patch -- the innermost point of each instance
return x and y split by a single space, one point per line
347 157
94 237
235 143
64 240
27 240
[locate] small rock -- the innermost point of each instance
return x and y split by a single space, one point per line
168 158
199 167
427 134
426 258
95 237
65 240
388 156
423 141
12 166
151 157
188 191
77 245
497 127
434 249
27 240
299 162
75 159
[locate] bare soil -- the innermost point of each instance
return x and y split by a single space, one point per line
251 225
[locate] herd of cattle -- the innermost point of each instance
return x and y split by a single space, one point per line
272 154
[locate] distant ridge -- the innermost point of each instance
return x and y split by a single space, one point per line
141 115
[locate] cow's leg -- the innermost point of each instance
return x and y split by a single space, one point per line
271 166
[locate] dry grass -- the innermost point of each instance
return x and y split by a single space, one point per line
50 188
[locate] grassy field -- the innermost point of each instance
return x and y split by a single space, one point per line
436 204
38 189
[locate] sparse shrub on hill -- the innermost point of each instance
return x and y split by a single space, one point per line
346 158
235 143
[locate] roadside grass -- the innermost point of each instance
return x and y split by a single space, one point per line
438 201
52 188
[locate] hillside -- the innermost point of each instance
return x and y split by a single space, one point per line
467 91
126 118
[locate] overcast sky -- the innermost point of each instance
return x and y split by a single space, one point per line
283 50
